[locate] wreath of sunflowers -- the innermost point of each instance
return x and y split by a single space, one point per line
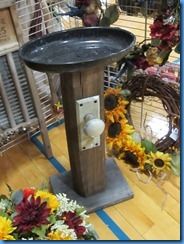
126 144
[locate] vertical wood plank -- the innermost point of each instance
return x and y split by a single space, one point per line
41 120
88 167
15 79
6 103
33 88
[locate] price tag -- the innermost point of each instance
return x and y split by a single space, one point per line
174 134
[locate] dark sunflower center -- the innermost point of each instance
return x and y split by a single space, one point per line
159 162
114 129
110 102
131 158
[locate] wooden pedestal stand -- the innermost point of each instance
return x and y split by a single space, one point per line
97 182
93 182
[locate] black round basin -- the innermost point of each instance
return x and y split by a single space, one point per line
77 49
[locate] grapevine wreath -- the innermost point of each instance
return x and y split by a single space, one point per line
124 142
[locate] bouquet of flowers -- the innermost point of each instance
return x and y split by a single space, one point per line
164 38
92 12
32 214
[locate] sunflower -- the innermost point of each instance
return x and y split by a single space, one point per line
115 105
132 153
6 229
117 133
58 235
52 201
160 162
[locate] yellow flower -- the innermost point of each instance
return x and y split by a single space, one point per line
118 133
51 199
58 235
160 161
152 56
133 154
115 105
6 229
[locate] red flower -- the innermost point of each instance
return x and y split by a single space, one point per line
141 62
30 213
169 33
74 222
28 192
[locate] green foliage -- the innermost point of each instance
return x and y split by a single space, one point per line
156 42
110 16
148 145
52 219
164 55
17 197
177 48
40 231
136 137
125 93
175 164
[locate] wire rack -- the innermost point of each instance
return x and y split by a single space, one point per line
39 17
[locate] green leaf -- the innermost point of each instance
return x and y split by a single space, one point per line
104 21
110 16
177 48
17 197
175 164
136 137
3 197
155 42
80 210
52 219
125 92
148 145
164 55
40 231
4 214
130 72
9 188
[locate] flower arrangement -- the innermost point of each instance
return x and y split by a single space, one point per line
126 144
32 214
93 12
164 38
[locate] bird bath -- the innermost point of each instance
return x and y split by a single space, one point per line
80 55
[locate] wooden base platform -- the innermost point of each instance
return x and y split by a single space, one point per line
117 189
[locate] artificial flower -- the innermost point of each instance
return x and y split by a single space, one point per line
115 105
63 228
117 133
132 153
65 205
30 213
29 218
58 235
74 222
160 161
6 229
51 199
28 192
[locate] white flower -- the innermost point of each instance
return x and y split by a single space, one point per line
4 204
66 204
28 239
64 229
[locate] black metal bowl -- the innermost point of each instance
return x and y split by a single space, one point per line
77 49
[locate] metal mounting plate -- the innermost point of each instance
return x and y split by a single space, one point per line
83 107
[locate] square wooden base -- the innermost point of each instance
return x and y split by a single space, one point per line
117 189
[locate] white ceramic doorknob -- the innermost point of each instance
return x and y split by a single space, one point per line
93 127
